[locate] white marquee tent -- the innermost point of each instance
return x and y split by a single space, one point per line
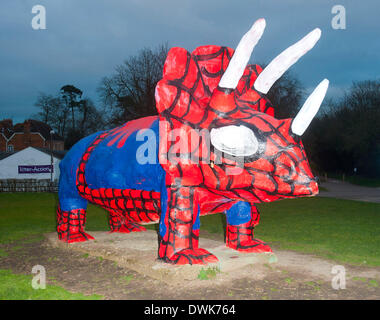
30 163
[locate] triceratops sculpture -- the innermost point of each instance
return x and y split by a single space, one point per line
216 146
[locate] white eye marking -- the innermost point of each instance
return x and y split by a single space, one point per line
234 140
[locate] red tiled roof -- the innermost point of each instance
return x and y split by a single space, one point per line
34 126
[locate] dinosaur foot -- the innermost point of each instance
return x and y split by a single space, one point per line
128 227
192 256
252 245
80 236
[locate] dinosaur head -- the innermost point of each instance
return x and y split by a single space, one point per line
218 129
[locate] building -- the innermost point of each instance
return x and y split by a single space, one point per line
31 133
30 163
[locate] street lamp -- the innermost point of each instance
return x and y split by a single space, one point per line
51 155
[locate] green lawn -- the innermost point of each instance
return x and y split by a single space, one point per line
364 181
343 230
26 214
358 180
18 287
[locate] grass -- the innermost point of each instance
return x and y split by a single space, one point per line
313 285
18 287
357 179
3 253
25 215
209 273
364 181
371 283
342 230
127 279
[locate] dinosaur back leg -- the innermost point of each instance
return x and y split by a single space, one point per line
71 211
71 224
242 217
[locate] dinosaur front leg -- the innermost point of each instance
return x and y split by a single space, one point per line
70 225
242 217
179 229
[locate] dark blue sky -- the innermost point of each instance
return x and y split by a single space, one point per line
86 39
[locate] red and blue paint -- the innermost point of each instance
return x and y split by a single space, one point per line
103 169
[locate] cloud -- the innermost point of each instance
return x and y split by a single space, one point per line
86 39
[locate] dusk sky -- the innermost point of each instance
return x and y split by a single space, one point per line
85 40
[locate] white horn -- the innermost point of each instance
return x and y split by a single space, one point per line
309 108
277 67
239 60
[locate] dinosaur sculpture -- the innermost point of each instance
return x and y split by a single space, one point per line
214 147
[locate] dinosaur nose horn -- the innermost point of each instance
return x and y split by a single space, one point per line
278 66
309 108
239 60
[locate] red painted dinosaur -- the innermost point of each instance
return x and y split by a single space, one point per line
217 148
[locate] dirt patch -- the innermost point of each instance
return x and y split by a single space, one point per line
294 276
138 251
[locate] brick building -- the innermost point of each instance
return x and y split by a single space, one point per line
31 133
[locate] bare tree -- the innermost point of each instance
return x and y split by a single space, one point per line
129 92
44 103
56 113
71 96
286 96
60 116
348 136
53 112
89 118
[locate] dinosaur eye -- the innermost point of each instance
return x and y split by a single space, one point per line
235 140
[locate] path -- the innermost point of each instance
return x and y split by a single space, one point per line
343 190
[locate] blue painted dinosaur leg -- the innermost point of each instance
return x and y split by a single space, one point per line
242 217
71 211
